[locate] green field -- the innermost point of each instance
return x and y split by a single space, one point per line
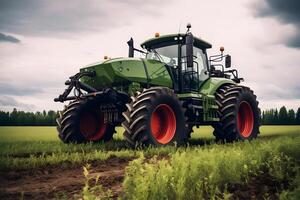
202 169
31 134
25 147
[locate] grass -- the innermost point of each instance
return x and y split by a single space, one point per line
203 169
31 133
211 172
27 133
27 147
48 133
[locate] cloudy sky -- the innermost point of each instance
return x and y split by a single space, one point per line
43 42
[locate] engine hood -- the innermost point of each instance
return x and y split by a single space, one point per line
120 72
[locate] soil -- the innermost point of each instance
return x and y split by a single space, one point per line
67 183
259 187
53 182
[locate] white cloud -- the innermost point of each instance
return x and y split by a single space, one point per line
44 61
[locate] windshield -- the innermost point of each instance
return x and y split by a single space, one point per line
167 54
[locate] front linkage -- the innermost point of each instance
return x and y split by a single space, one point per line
90 116
75 83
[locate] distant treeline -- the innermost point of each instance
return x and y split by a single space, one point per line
281 117
21 118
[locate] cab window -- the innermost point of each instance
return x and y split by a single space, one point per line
200 59
166 54
200 62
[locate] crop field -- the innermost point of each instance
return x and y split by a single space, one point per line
34 164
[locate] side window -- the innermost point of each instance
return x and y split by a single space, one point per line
200 59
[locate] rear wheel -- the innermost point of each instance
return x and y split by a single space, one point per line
155 117
82 121
238 112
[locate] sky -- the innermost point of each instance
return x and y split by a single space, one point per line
42 43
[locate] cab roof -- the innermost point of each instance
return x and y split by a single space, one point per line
166 40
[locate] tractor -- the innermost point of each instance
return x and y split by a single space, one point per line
158 98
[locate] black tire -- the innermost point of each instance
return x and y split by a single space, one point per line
189 131
238 112
150 118
81 121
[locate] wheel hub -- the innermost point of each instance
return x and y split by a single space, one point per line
92 126
163 123
245 119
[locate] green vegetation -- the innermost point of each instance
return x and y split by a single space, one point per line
208 172
18 134
202 169
96 192
21 118
26 147
283 117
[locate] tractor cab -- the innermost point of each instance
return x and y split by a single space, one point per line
185 58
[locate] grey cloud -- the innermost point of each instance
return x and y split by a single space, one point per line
8 103
275 91
288 12
53 17
8 89
296 92
8 38
294 41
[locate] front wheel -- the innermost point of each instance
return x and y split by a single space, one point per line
155 117
238 112
82 121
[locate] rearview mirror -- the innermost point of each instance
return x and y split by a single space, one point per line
228 61
189 40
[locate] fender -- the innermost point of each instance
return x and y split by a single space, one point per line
211 85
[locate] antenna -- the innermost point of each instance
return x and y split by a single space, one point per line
179 27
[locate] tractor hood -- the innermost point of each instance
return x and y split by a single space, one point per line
121 72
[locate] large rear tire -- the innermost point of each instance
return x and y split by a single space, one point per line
155 117
238 112
81 121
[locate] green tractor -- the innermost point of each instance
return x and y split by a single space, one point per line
159 98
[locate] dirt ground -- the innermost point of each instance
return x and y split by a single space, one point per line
61 182
56 182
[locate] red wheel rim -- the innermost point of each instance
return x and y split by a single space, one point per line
92 126
245 119
163 123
